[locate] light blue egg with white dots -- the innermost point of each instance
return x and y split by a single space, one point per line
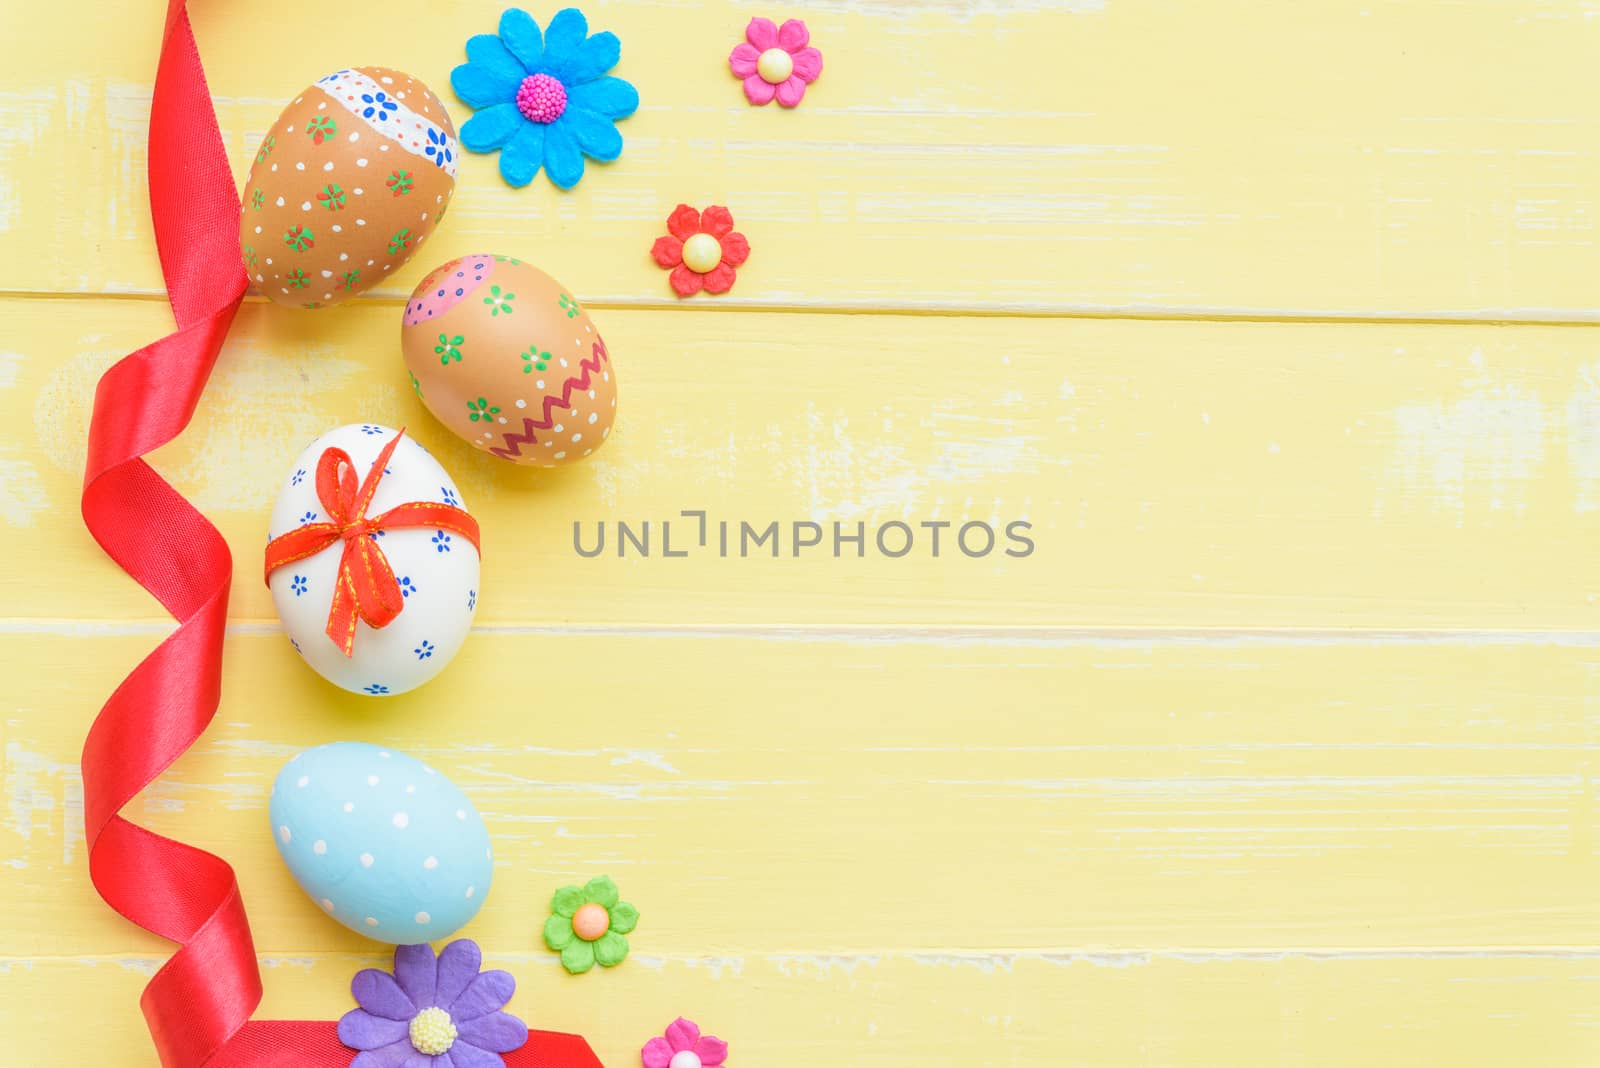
381 842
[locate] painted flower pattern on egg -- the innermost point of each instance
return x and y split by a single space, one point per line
504 356
350 181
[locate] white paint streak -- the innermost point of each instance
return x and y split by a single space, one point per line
22 494
976 440
819 965
733 966
61 408
40 791
1487 449
261 409
127 110
1583 438
27 118
1482 450
649 758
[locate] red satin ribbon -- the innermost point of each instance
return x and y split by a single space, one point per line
366 588
198 1005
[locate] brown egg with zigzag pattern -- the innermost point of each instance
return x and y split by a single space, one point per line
503 355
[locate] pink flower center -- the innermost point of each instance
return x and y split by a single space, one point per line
541 98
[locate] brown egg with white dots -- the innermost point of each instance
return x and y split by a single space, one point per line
349 181
503 355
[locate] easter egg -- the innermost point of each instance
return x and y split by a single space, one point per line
350 179
435 565
381 842
504 356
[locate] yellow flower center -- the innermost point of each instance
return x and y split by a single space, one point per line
432 1032
775 65
701 253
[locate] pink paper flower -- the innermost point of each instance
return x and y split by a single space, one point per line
684 1047
776 61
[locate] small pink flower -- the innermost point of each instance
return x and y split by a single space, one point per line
684 1047
776 61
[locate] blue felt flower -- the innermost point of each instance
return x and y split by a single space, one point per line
544 100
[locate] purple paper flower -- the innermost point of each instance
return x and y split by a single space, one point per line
432 1012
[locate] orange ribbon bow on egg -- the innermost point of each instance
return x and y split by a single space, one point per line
366 588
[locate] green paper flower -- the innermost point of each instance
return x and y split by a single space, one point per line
578 908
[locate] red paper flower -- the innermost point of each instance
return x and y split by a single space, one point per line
701 249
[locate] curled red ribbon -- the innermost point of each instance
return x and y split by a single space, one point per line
199 1003
366 588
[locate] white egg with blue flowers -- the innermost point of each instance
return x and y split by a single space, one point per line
434 567
381 842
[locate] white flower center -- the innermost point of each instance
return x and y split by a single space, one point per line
685 1058
432 1032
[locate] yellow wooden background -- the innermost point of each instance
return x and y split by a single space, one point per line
1274 318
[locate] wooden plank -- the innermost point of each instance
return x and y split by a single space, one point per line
1174 474
1278 750
1106 1010
774 795
1406 158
